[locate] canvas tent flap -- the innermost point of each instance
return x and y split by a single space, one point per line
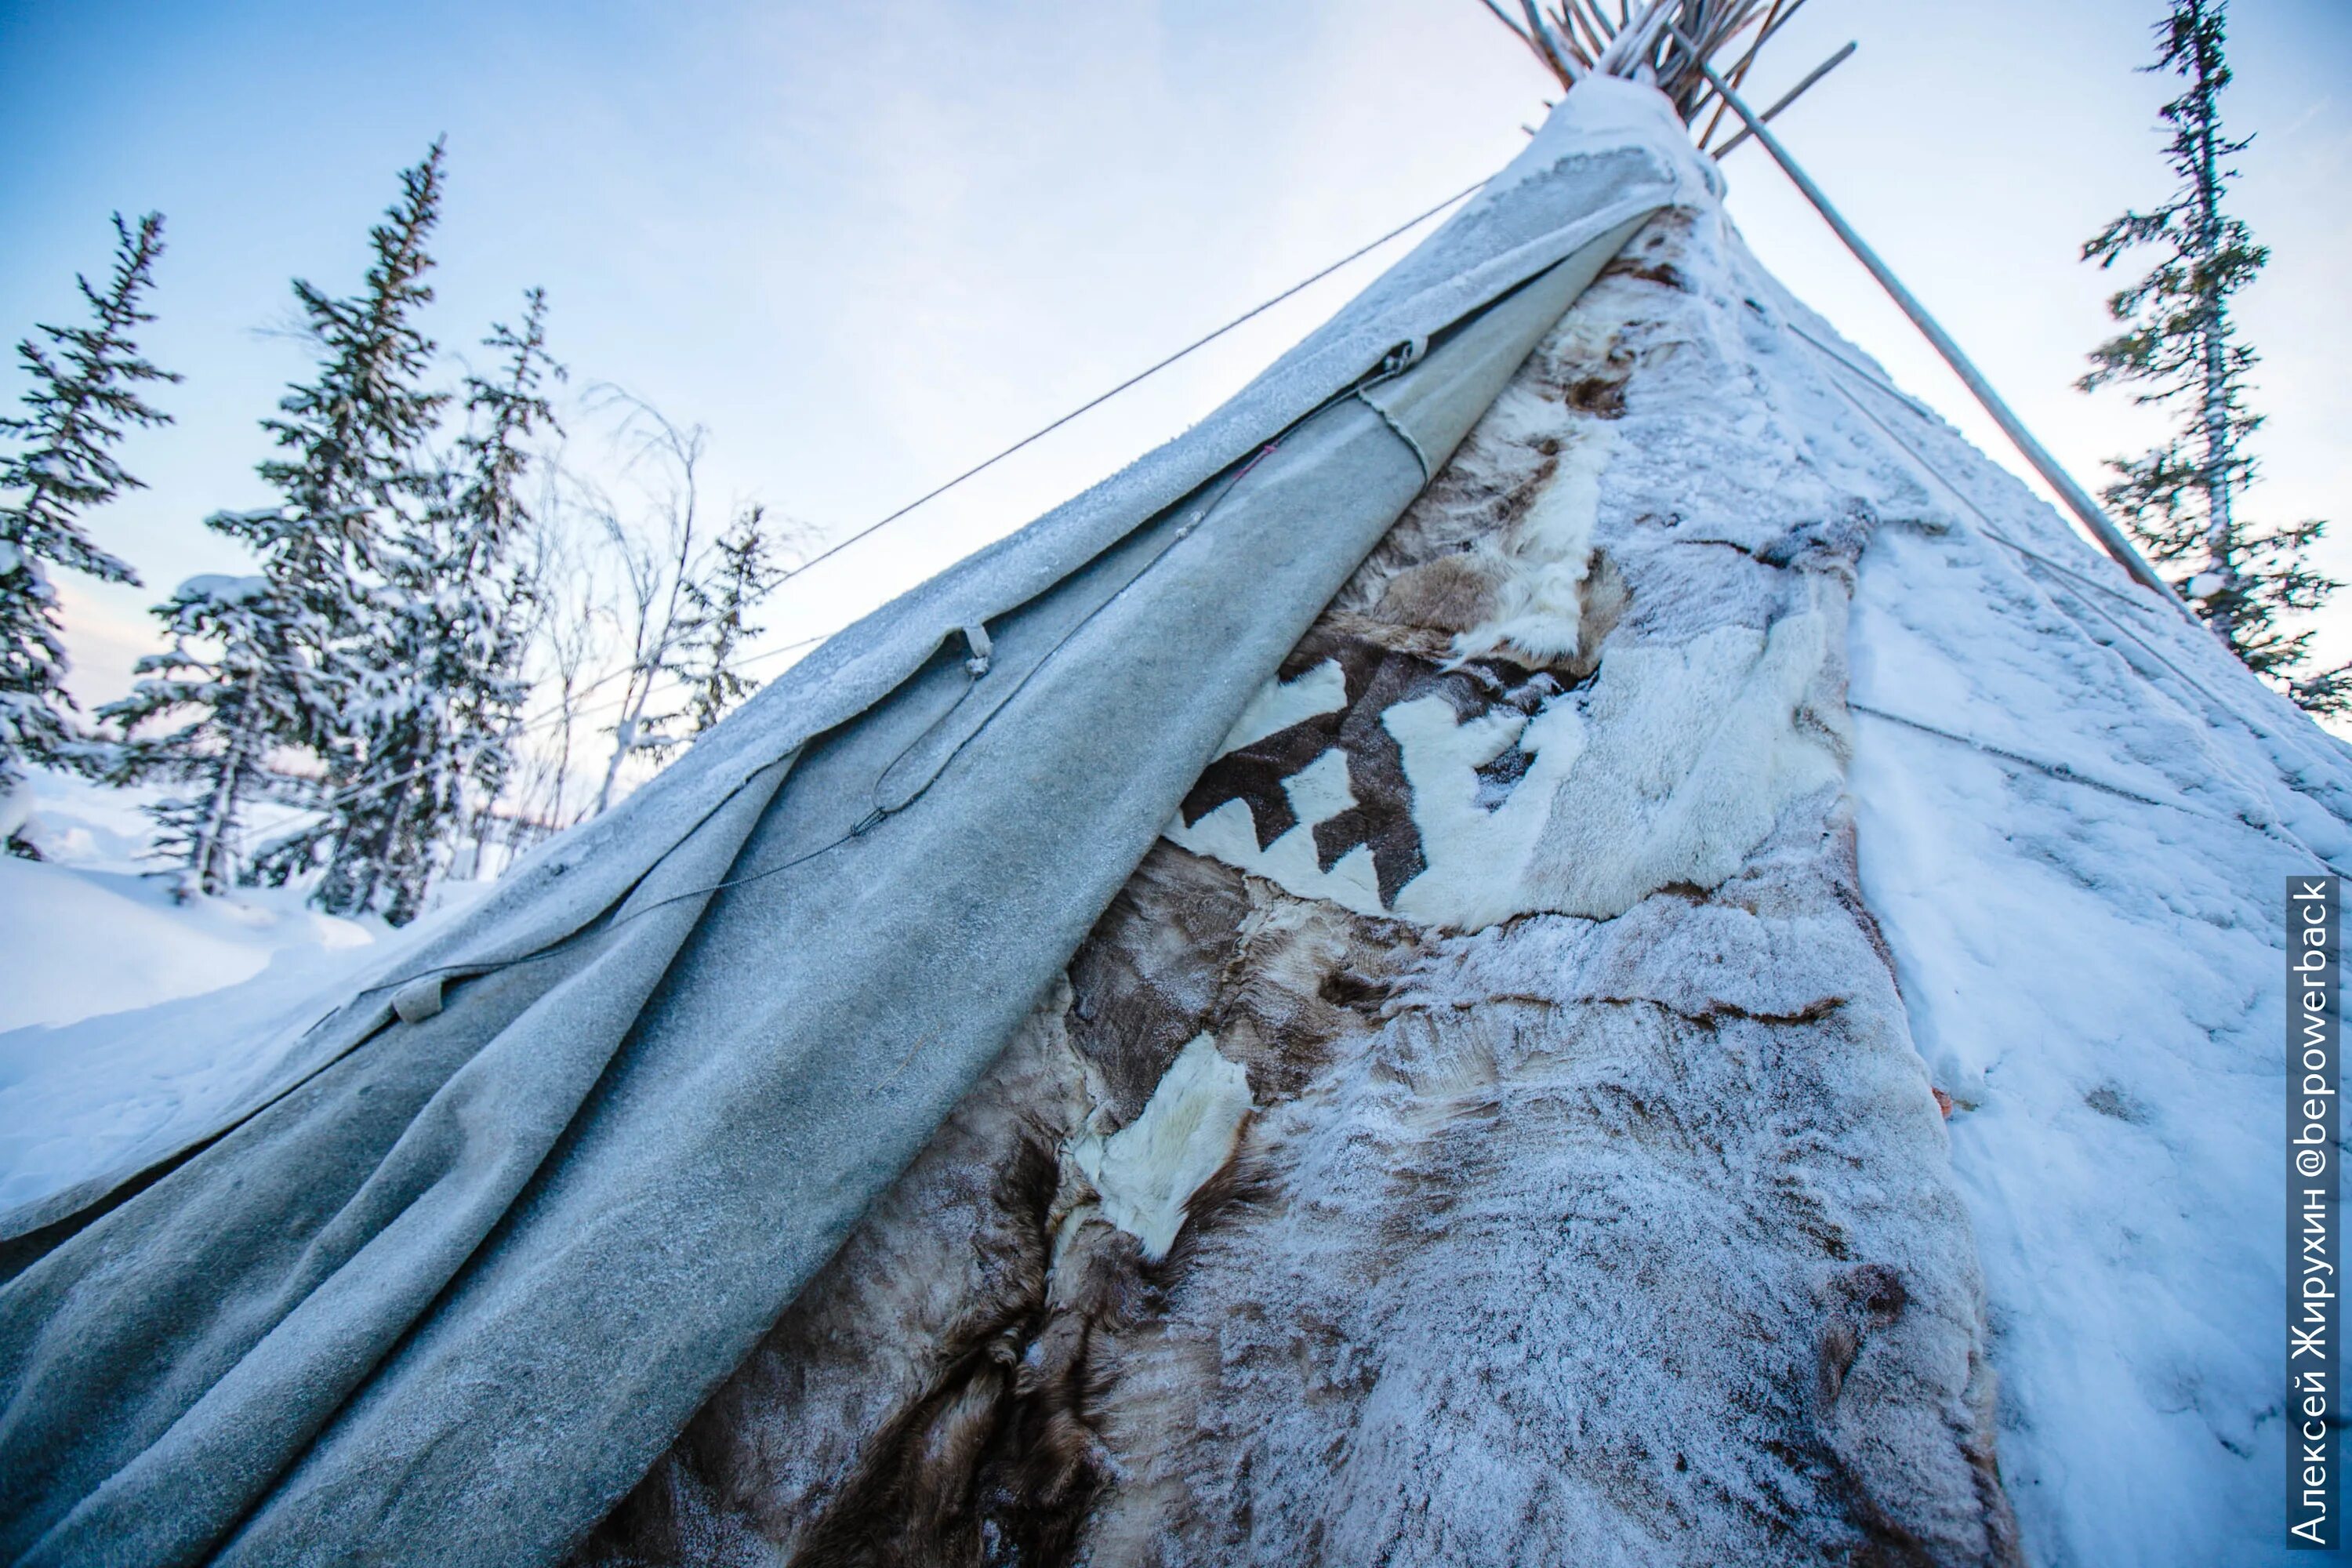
230 1309
1431 414
460 1276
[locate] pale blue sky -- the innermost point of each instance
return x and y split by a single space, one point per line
868 246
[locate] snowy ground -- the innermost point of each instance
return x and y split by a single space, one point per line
124 1014
93 928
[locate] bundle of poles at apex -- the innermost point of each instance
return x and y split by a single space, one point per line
1698 53
1665 44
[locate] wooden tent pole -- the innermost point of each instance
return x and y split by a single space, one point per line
2078 499
1788 97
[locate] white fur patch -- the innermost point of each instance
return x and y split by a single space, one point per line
1147 1170
1279 704
1539 603
1694 749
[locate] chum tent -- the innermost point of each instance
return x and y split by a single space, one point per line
1384 986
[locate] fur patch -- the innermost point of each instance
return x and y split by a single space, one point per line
1145 1174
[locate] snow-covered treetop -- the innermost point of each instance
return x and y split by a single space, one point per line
222 589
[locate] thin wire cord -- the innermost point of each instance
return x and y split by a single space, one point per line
1201 343
548 718
1994 533
2060 771
2065 774
1988 528
1991 532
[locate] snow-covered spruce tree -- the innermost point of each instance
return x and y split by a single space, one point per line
440 671
2180 343
509 414
281 672
84 398
744 575
351 476
235 668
